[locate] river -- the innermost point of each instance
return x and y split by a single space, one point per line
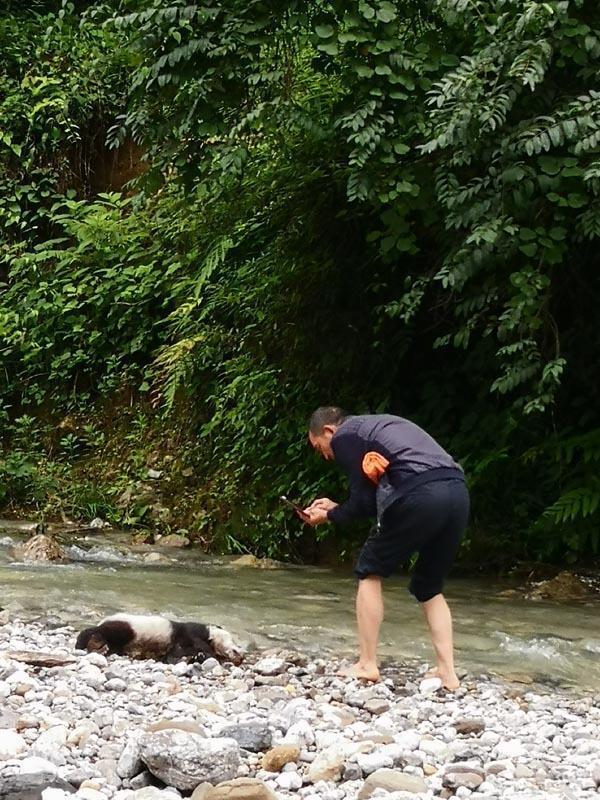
305 608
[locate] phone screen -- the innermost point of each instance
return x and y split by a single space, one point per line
293 505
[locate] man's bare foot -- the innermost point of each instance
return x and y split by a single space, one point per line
449 679
365 672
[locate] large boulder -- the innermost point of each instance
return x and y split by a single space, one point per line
184 760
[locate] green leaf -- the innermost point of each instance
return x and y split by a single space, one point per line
386 12
331 48
324 31
528 249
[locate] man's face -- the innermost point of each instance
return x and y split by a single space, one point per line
322 442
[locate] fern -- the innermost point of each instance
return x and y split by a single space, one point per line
578 503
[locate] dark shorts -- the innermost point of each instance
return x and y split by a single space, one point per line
429 520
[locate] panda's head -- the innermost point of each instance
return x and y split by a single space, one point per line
224 646
92 640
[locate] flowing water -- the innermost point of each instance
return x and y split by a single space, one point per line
306 608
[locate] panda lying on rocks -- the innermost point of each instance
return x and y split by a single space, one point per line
163 639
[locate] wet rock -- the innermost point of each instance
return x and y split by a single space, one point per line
391 781
155 558
174 540
253 736
39 548
30 786
98 523
278 756
565 586
184 760
249 560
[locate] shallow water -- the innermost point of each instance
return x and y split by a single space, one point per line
306 608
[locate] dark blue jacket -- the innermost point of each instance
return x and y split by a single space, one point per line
414 458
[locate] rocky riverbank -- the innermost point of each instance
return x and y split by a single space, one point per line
277 727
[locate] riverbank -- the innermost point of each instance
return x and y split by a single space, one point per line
281 726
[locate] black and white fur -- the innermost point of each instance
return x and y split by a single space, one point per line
139 636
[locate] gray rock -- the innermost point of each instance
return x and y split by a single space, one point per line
254 736
115 685
352 772
377 705
107 767
209 665
30 786
467 777
596 773
270 666
184 760
371 762
130 763
141 780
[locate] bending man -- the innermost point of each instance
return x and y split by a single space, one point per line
400 475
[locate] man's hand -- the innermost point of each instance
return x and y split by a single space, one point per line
316 512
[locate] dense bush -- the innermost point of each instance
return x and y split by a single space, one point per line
391 205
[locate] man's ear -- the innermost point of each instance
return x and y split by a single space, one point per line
330 429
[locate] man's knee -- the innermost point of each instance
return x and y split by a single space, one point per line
424 589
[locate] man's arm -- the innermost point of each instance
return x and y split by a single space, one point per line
349 450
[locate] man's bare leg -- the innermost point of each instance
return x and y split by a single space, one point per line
439 621
369 615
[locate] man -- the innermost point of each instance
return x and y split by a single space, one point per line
401 475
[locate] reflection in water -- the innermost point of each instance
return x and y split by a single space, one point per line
307 608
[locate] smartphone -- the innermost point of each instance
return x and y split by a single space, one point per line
293 505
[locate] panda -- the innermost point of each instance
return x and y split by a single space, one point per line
139 636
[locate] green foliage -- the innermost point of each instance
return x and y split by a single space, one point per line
61 78
393 205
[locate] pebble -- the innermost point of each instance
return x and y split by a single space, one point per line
327 738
